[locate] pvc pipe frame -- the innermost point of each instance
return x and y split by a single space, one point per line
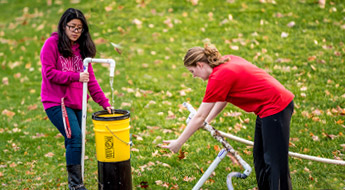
210 169
222 153
293 154
84 103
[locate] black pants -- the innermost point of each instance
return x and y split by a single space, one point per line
271 148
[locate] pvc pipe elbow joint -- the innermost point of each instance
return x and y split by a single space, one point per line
112 67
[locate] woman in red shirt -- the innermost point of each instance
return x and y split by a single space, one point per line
235 80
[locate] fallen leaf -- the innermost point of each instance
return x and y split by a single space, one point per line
232 114
235 48
306 150
304 88
311 178
166 165
247 152
315 138
32 107
182 93
139 138
217 148
339 122
311 58
343 145
165 184
337 53
159 182
75 1
144 184
181 155
194 2
169 23
137 22
40 27
291 144
306 170
17 75
291 24
49 154
330 136
283 60
12 165
171 115
8 113
5 81
210 181
156 154
284 35
303 95
108 8
189 179
49 2
100 41
317 112
125 104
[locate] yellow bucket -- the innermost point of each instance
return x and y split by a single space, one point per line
112 135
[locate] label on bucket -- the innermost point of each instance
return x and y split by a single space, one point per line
109 147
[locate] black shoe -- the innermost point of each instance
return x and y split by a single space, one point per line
75 181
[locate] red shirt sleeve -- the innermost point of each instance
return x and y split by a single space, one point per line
218 86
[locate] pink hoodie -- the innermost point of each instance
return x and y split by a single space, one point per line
60 77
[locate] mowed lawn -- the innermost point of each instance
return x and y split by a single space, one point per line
297 42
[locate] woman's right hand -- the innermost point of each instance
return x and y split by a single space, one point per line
173 145
84 77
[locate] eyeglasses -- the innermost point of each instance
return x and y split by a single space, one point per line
75 29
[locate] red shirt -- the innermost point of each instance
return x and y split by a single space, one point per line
247 87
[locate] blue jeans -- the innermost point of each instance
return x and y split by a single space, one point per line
72 145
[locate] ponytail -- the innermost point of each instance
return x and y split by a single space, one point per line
209 55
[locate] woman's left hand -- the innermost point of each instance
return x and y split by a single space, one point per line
173 145
109 109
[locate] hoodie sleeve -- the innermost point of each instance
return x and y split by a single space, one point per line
49 60
95 90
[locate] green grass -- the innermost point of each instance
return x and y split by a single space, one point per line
151 69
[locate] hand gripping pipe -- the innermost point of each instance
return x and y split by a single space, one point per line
84 104
221 155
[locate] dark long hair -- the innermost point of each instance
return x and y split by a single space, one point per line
86 45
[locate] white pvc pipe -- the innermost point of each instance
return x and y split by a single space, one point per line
293 154
84 103
210 169
96 60
221 155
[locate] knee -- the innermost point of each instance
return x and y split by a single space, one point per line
74 141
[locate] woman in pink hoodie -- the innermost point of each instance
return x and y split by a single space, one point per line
62 81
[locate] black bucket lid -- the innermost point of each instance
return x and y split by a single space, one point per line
126 115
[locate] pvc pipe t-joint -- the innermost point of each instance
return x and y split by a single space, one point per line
110 61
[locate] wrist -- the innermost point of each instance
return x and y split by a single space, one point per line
180 141
76 77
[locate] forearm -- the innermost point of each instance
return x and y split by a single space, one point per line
217 108
192 126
